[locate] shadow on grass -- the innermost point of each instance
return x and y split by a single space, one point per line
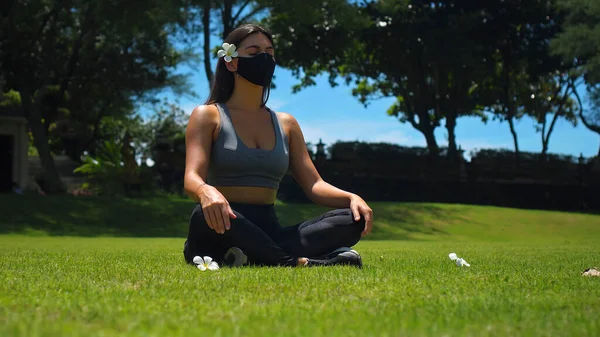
392 221
408 221
168 216
95 216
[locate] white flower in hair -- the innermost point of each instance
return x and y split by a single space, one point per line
228 51
205 263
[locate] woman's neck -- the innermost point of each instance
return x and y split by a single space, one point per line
246 96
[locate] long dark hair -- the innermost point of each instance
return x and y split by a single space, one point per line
222 82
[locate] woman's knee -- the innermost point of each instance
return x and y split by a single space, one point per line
347 227
348 216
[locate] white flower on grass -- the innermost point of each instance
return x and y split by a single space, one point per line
459 261
205 263
228 52
462 263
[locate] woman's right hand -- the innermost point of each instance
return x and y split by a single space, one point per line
216 209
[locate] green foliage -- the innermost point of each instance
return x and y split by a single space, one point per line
163 132
577 44
166 128
502 156
94 58
380 152
393 153
10 100
106 170
592 117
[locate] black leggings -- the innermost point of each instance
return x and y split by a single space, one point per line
257 232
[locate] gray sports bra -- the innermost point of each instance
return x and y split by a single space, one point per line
232 163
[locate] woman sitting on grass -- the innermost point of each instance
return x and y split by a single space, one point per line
237 152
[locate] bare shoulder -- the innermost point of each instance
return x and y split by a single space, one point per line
287 120
204 115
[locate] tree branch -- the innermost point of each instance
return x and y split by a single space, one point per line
559 111
251 14
581 116
554 119
544 129
410 112
561 106
72 63
237 15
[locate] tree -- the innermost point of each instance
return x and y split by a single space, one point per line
392 49
578 44
551 96
516 35
115 50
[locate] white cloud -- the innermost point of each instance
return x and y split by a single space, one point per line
359 130
276 103
398 137
477 144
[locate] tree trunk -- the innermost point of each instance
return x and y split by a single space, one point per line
432 145
546 139
451 127
544 150
513 132
510 109
559 112
226 17
206 28
31 109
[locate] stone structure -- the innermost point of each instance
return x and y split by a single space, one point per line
14 144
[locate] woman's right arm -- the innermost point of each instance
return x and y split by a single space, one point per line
198 143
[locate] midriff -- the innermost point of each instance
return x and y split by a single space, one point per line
248 194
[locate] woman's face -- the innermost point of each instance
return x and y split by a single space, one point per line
255 44
252 45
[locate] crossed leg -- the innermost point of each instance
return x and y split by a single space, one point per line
311 238
323 234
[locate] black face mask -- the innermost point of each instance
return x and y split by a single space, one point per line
258 69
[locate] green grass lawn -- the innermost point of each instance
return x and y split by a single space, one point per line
61 275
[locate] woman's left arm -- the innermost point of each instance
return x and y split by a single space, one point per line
316 189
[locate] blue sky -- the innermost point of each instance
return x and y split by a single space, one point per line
333 114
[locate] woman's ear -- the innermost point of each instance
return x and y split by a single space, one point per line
232 66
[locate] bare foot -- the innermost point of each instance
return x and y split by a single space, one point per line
302 261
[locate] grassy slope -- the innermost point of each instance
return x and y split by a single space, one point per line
524 280
168 217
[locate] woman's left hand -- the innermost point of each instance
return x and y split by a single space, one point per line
359 207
